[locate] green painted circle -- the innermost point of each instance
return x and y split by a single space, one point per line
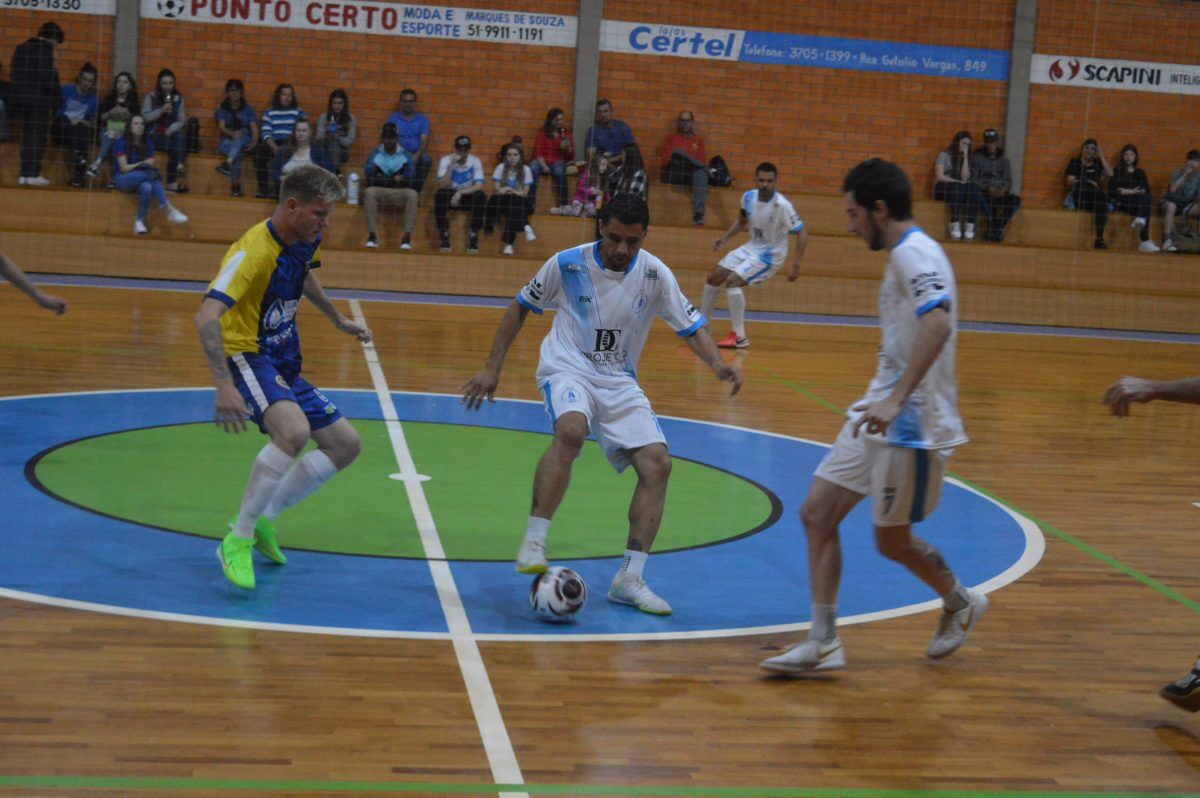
189 478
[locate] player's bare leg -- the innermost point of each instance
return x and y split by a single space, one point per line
550 481
653 467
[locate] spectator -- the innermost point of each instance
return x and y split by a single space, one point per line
237 124
336 129
164 112
607 135
300 149
115 111
953 185
589 189
138 175
1129 191
684 163
277 124
512 182
630 176
1085 177
5 103
460 187
413 127
36 96
75 124
992 175
1181 197
553 149
387 184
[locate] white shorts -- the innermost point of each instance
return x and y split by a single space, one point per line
904 484
619 418
753 264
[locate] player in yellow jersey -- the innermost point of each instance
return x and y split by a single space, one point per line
247 326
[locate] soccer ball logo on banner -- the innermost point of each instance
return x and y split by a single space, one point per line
171 8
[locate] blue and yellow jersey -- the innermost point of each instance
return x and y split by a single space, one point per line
262 280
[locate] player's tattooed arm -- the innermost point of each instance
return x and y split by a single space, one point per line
229 410
210 341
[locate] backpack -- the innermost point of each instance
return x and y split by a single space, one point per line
1186 236
192 134
718 173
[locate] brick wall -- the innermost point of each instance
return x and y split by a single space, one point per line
88 38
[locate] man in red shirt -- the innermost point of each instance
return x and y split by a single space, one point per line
684 163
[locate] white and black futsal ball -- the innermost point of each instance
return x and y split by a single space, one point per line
558 594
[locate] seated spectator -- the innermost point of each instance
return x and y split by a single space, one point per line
590 189
75 123
300 149
607 135
1129 191
1182 197
5 100
336 129
36 93
384 174
553 150
992 175
274 132
460 187
630 176
137 173
414 129
237 124
115 111
953 185
684 163
164 112
1085 178
511 183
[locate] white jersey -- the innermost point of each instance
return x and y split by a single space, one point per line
770 223
917 279
603 317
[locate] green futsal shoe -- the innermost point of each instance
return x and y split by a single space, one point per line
264 540
236 561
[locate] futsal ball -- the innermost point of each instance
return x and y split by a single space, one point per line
557 594
171 8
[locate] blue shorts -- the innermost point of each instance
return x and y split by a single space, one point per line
263 384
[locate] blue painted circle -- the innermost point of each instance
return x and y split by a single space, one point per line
62 554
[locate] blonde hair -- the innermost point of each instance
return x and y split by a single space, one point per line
310 182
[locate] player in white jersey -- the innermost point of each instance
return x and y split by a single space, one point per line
606 295
771 219
898 437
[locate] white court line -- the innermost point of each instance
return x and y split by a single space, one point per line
500 754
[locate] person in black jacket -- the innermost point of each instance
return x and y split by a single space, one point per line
36 96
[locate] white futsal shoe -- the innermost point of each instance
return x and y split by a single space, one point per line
531 559
953 627
808 656
630 589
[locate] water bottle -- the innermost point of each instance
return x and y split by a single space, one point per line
352 189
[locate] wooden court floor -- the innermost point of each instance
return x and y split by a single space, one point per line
1055 691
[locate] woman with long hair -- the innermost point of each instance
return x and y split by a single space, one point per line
300 149
511 183
138 174
1129 191
953 186
237 125
165 115
553 150
115 112
336 129
278 121
1085 177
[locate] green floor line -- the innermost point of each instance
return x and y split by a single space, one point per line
153 783
1065 537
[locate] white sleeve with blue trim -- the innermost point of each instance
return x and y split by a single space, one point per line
924 284
675 308
794 224
541 293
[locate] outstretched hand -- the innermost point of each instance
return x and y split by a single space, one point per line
351 327
730 372
482 385
51 302
1126 390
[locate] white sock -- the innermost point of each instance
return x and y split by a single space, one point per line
957 598
708 301
824 623
536 529
269 467
634 562
737 310
306 475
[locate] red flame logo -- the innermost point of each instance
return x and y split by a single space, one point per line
1057 73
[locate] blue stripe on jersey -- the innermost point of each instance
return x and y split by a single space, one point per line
797 228
225 298
907 233
526 304
572 269
748 202
920 486
906 429
691 330
942 301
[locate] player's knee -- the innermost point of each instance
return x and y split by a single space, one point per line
347 450
717 279
570 436
292 440
656 466
893 548
817 519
